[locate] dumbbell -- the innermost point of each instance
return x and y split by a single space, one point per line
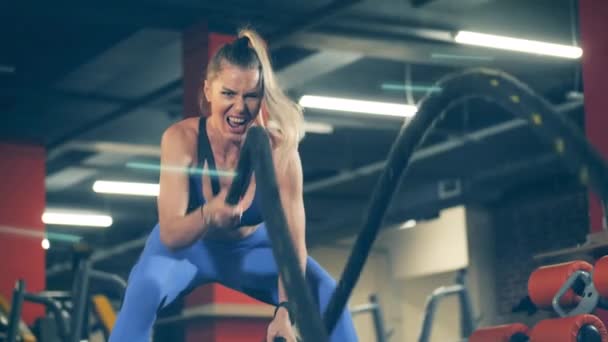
580 328
600 278
516 332
566 288
569 289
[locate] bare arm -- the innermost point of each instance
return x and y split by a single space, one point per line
177 229
290 181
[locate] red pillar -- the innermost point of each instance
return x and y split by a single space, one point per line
593 14
198 45
21 206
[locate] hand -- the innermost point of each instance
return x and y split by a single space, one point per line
216 212
280 327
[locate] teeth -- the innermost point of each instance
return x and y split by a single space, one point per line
236 120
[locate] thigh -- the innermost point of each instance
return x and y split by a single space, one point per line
250 267
259 276
170 273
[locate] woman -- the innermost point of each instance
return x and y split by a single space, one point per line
199 238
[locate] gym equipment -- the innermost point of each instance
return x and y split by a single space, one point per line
563 286
460 289
77 316
586 328
104 312
19 296
25 334
256 157
554 130
571 289
600 279
374 307
516 332
580 328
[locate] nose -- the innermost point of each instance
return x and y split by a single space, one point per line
239 104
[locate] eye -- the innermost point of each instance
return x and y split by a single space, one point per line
227 93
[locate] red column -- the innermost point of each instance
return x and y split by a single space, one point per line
593 14
22 203
593 24
199 44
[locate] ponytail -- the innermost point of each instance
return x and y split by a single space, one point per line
284 116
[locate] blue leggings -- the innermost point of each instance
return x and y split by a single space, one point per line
246 265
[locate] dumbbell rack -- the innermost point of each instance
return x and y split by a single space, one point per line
574 291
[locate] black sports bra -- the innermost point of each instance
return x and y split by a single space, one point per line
252 216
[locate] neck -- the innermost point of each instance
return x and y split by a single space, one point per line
224 147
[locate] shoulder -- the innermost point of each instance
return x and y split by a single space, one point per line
180 138
186 129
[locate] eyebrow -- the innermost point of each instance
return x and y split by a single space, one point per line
251 92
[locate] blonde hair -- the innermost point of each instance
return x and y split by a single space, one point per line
284 116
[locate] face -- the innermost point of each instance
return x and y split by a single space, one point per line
235 96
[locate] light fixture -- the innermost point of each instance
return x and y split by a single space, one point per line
412 88
358 106
446 56
318 127
126 188
76 218
516 44
46 244
408 224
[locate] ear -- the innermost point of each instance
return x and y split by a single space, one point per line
207 90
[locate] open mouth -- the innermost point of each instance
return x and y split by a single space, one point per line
236 121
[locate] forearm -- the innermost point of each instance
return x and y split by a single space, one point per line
182 231
296 221
292 200
302 257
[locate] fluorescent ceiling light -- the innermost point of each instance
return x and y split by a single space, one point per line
408 224
413 88
358 106
73 218
461 57
515 44
126 188
318 127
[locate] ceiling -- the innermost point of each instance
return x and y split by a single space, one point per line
97 83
